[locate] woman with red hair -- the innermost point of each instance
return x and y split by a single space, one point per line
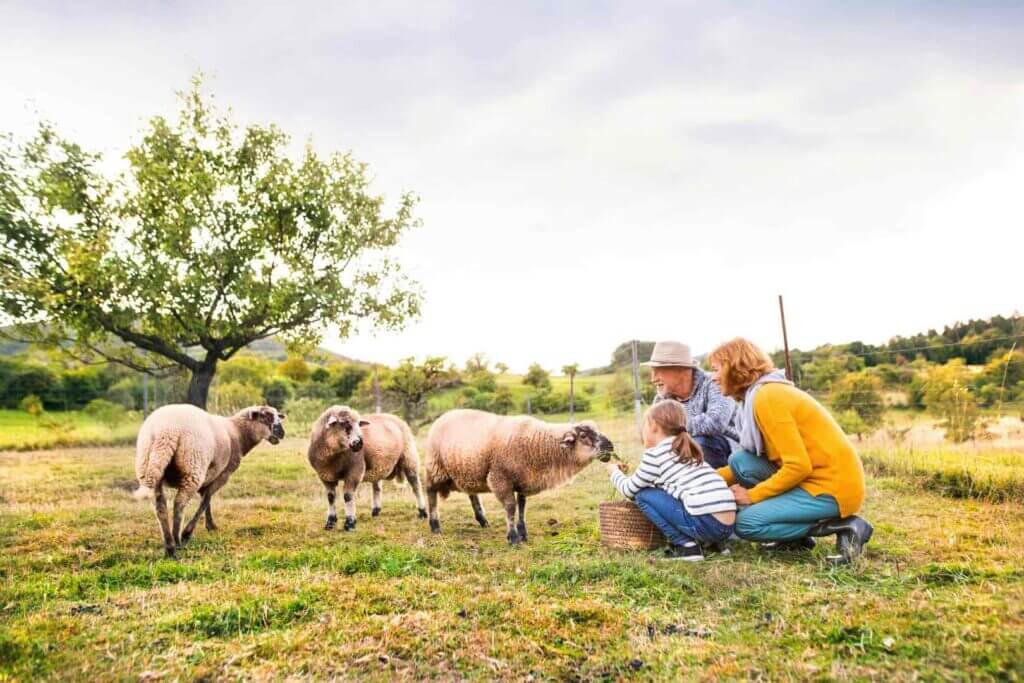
796 472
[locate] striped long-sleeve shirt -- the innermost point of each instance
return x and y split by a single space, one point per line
708 412
701 489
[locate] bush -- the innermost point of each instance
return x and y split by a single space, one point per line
251 370
320 375
230 397
295 368
277 392
499 401
538 377
32 405
81 386
851 423
347 380
549 403
302 413
317 390
947 393
105 412
484 381
860 392
620 391
126 393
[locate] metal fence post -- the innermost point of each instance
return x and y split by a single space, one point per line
636 388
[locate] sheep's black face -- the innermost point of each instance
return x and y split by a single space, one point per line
270 418
593 443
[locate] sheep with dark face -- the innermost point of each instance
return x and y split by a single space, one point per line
350 448
188 448
512 457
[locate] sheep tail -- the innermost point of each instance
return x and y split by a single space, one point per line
161 452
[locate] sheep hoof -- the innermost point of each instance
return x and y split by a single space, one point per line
482 521
332 521
522 534
211 527
350 523
421 513
170 551
435 526
185 536
513 538
374 512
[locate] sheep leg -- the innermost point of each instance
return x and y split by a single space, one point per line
210 526
204 507
521 526
351 483
160 505
414 481
331 487
435 519
181 498
478 509
506 495
375 506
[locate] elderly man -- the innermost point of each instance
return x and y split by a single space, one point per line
709 414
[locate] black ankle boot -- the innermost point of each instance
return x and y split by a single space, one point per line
851 534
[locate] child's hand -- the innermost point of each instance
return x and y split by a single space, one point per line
615 467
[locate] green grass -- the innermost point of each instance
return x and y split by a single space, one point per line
85 593
992 475
23 432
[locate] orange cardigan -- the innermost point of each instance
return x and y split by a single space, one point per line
811 450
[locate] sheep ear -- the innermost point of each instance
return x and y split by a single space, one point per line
332 420
254 414
281 416
569 439
364 423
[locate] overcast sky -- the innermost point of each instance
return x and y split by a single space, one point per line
594 172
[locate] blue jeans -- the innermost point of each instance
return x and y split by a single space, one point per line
716 449
680 527
785 517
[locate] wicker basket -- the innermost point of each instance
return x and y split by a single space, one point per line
624 526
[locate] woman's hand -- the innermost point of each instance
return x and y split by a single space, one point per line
741 494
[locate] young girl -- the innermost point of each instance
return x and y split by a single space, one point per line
675 488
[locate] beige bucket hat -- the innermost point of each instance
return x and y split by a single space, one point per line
671 353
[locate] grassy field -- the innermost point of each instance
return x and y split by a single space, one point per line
23 432
87 595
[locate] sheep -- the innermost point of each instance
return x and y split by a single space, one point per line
185 447
512 457
347 447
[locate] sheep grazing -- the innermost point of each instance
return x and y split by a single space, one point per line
188 448
512 457
349 448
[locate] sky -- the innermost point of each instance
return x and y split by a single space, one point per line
595 172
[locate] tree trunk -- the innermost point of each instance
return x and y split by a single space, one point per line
199 386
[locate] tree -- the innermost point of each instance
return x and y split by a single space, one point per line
570 371
947 393
278 391
501 368
294 368
851 423
537 377
411 384
347 379
860 392
476 363
213 238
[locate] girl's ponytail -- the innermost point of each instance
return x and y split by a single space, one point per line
688 450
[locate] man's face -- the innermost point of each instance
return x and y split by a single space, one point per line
673 380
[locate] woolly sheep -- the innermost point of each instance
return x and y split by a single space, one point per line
512 457
185 447
349 448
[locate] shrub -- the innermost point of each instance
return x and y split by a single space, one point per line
851 423
230 397
251 370
32 405
947 393
347 379
295 368
548 403
538 377
620 391
860 392
320 375
317 390
302 413
105 412
277 391
126 393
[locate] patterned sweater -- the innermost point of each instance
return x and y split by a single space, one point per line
701 489
708 413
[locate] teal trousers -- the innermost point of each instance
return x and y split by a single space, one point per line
785 517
